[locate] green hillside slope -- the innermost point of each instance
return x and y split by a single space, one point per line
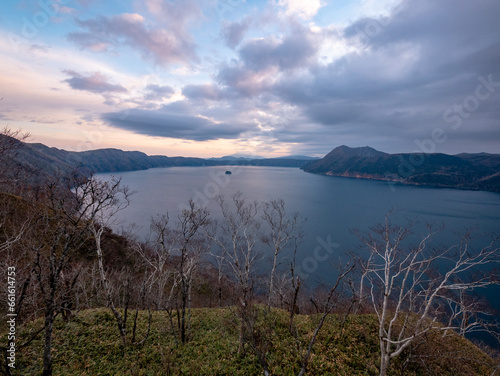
90 345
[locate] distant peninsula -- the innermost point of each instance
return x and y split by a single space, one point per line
480 171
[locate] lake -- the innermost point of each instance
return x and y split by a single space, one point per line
333 206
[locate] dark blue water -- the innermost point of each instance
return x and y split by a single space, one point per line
333 206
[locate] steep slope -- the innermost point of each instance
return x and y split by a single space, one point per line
352 162
113 160
464 171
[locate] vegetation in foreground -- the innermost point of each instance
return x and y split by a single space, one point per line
89 344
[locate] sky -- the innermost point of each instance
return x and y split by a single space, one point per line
208 78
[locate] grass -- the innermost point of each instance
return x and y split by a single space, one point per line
89 344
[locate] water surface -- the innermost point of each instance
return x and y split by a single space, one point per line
333 206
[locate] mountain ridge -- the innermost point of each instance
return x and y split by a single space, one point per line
480 171
477 171
41 161
363 151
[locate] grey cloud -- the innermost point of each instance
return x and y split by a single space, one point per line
207 91
261 60
179 107
449 37
160 45
91 41
411 67
234 32
95 83
294 51
172 121
245 82
157 92
447 23
426 58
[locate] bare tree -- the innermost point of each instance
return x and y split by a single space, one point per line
104 199
18 219
173 256
295 290
284 231
64 225
13 224
236 236
412 289
157 254
221 275
11 141
191 246
163 244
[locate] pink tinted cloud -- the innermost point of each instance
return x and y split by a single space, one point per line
95 83
160 44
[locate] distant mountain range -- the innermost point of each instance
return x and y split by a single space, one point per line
463 171
41 160
240 157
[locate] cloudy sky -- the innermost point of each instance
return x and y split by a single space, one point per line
268 77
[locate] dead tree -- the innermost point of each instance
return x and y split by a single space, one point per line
236 236
11 232
284 231
221 275
410 287
64 223
173 256
105 199
191 246
157 254
295 290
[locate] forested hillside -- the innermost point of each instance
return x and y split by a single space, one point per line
40 161
463 171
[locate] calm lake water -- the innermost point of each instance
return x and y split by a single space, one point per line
333 206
